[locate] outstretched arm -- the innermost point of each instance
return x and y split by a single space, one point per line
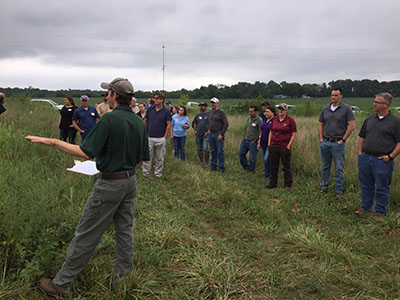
74 150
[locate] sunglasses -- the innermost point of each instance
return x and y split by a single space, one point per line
379 102
84 100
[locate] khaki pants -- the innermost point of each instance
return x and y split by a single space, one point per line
110 200
157 148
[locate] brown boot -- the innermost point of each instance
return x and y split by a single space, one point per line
206 158
49 288
201 156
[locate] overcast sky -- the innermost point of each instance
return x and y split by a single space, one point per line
55 44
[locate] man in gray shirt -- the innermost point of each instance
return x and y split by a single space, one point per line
217 124
250 140
378 145
336 123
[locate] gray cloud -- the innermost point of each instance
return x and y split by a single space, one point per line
206 42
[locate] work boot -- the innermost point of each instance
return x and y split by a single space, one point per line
49 288
206 158
201 156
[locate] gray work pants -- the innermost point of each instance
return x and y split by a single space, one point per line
157 149
110 200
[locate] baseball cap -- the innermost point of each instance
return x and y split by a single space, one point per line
168 102
283 106
84 97
120 86
266 103
215 100
202 104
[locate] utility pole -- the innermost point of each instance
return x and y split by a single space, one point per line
163 68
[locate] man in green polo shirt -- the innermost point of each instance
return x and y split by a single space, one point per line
250 140
118 142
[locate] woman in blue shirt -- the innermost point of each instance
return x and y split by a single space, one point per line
180 123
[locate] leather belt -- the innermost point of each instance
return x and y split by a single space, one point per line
375 154
332 139
117 175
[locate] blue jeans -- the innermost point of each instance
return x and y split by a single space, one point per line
246 146
375 176
202 143
217 151
266 162
332 151
179 146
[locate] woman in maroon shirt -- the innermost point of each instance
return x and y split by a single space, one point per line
281 137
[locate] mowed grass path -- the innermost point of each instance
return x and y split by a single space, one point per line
199 234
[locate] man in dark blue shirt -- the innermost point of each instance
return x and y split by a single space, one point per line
158 120
85 117
200 128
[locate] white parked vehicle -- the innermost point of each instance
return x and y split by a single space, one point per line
290 106
51 102
356 109
190 104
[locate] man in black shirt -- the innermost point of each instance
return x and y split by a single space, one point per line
378 145
200 128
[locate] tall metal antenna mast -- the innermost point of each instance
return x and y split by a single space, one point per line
163 69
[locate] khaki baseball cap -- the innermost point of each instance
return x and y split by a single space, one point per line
120 86
283 106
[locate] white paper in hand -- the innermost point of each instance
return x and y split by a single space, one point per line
87 167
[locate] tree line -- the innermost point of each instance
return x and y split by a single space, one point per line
243 90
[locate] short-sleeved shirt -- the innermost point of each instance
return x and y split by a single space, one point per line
336 122
178 123
253 128
380 135
118 141
66 114
281 131
201 120
157 121
265 128
86 118
135 109
103 108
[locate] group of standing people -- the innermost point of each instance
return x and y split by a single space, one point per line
75 119
272 131
378 145
209 129
274 134
121 140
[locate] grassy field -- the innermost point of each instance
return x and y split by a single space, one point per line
198 234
